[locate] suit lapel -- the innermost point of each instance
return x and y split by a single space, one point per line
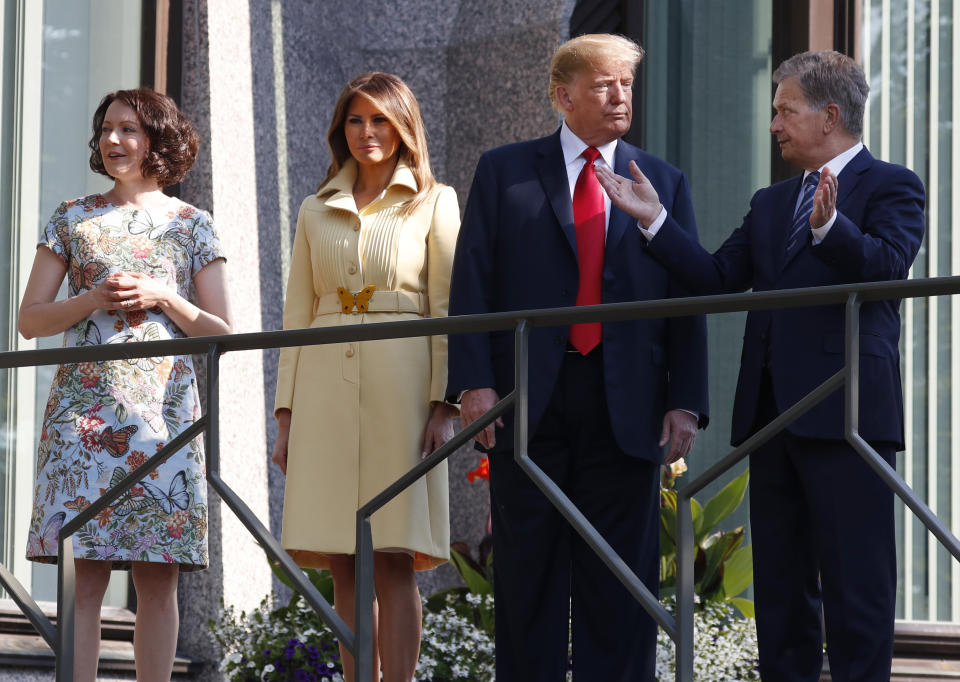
553 176
850 177
619 220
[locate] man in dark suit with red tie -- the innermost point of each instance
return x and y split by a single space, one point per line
604 400
822 522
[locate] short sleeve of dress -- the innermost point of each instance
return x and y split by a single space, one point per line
56 235
206 244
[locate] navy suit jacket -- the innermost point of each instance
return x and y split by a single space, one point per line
517 251
876 236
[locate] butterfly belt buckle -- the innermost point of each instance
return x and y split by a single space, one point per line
360 300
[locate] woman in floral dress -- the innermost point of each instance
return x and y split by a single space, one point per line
141 266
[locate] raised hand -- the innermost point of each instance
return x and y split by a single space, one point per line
824 199
637 197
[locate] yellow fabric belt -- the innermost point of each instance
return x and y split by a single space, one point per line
379 302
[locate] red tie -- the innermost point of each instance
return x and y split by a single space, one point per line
590 222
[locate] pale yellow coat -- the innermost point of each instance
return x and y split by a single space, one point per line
359 409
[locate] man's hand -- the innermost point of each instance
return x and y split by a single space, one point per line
680 430
638 198
473 404
824 199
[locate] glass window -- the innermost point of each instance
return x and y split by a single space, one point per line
908 50
707 105
89 49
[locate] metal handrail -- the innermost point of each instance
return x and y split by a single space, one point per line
359 642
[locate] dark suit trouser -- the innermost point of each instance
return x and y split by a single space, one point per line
822 524
543 569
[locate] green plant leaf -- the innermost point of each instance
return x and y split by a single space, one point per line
323 581
477 583
721 546
724 502
738 571
745 606
696 512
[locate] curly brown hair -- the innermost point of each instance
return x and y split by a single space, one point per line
173 140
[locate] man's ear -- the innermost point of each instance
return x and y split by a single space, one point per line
833 119
563 98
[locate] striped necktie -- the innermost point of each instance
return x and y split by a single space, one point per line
801 220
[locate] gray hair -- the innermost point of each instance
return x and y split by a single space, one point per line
828 77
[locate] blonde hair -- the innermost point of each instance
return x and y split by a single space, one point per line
396 102
590 52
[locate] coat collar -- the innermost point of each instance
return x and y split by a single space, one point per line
338 192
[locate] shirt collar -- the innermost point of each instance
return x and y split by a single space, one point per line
573 147
840 161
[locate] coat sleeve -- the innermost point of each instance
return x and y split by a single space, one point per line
441 242
884 246
297 313
686 336
729 270
471 285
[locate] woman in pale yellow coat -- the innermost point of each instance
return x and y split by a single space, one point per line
374 244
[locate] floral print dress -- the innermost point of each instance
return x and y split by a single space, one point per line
104 419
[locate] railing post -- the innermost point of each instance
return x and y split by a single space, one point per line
851 394
66 575
363 604
521 363
685 594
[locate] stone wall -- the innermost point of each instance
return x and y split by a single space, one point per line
260 80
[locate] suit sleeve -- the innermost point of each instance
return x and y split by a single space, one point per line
471 283
686 336
884 246
441 242
297 314
729 270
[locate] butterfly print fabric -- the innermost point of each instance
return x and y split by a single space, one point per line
104 419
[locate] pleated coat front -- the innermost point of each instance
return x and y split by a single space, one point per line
359 409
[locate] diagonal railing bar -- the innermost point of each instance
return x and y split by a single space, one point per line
363 604
28 606
66 571
562 503
887 473
686 545
113 494
681 631
784 419
279 555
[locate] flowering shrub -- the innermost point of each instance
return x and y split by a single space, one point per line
292 643
725 645
283 643
455 646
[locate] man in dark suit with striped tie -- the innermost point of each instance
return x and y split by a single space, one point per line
822 522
